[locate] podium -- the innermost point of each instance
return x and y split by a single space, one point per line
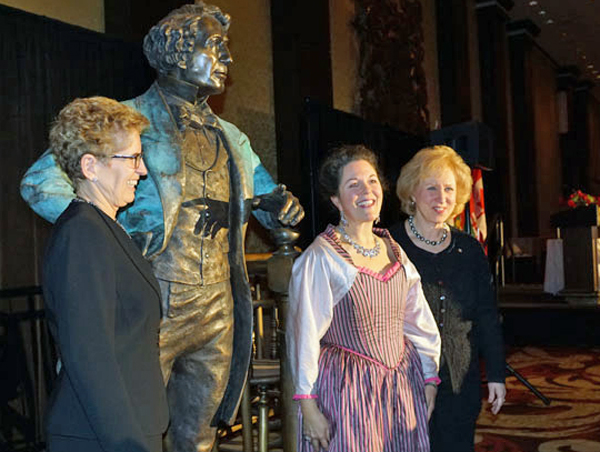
579 231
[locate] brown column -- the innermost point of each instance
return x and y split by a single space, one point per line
454 60
581 133
566 82
501 196
521 41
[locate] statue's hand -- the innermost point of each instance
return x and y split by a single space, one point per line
214 216
282 203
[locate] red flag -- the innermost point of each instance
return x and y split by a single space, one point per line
478 223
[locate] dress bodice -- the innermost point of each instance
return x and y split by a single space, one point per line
369 318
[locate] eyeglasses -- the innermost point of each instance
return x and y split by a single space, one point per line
135 158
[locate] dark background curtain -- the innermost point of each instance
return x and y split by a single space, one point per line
46 64
324 128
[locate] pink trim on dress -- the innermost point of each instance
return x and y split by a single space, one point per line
304 396
435 380
386 276
368 358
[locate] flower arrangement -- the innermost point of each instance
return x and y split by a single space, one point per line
580 199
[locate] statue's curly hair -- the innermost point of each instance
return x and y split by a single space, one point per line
171 41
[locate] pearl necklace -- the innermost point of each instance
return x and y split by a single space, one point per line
423 239
367 252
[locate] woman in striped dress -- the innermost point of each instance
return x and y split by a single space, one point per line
363 344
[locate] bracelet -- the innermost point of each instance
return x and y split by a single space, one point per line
431 383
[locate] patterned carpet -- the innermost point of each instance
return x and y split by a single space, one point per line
570 378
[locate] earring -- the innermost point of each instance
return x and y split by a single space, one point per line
94 179
378 219
343 220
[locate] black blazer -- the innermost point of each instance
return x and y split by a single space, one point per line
102 303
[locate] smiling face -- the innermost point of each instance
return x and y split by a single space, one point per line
207 67
117 178
360 194
435 197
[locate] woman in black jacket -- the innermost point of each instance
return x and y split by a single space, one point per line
101 298
434 187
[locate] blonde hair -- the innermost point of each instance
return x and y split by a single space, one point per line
89 126
429 161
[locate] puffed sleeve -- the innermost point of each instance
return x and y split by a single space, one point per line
419 323
319 280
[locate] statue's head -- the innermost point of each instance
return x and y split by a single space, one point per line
191 44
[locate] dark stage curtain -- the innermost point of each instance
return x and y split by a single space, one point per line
324 128
45 64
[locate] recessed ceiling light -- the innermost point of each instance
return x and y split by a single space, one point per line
549 21
590 66
542 12
533 3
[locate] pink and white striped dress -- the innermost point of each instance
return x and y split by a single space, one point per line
370 383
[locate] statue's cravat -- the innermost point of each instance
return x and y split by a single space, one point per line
197 116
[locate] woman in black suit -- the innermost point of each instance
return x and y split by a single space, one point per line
433 188
101 298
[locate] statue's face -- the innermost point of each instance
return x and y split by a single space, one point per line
208 65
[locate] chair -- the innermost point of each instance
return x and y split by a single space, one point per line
261 388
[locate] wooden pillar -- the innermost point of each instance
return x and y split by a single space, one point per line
521 41
301 69
501 192
454 60
581 133
566 82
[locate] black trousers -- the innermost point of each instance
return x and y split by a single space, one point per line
452 424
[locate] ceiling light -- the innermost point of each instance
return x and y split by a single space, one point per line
590 66
549 21
542 12
533 3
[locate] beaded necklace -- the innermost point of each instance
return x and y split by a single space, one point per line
413 229
367 252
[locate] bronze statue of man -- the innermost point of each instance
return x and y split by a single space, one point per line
189 219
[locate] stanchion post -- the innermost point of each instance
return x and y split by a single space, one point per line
279 269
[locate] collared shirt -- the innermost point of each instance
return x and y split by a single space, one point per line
187 109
